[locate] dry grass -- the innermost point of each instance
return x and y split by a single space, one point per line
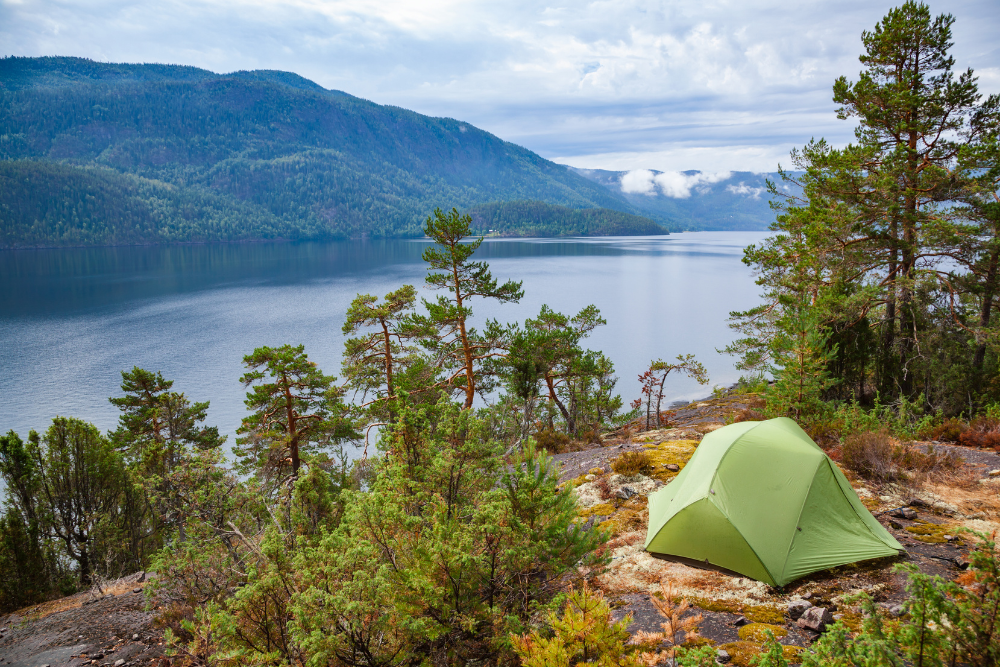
632 463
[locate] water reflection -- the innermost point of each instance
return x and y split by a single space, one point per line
72 319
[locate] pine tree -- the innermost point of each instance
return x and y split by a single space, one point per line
157 426
295 410
462 347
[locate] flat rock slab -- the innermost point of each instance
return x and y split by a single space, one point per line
56 657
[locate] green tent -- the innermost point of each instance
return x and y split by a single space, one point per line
762 500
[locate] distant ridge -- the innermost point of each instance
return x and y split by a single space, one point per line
104 153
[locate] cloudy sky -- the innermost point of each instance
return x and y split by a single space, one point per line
624 84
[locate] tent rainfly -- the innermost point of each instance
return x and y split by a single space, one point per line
763 500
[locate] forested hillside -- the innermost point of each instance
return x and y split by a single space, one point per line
192 156
534 218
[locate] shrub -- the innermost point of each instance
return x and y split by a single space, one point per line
870 455
984 431
633 463
553 442
585 634
949 431
875 456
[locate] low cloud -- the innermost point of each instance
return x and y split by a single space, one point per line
746 190
673 184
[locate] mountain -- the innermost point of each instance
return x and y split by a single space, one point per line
694 200
97 153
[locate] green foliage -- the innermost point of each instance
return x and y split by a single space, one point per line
447 554
904 419
97 153
878 280
158 426
27 568
296 411
550 378
535 218
385 358
801 359
84 498
701 656
947 622
585 634
461 348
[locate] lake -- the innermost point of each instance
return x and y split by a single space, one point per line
72 319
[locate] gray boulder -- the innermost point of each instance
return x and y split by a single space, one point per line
815 619
797 607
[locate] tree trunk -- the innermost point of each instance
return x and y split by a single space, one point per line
984 316
889 320
570 426
470 381
390 392
293 436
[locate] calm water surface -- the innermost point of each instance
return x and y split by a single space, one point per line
71 320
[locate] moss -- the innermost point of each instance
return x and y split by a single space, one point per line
596 471
929 532
602 509
630 517
755 613
696 641
742 652
792 653
677 452
757 632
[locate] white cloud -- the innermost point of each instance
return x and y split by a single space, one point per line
678 185
674 184
745 190
638 181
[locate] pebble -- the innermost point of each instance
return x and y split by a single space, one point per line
723 656
119 662
741 621
994 473
904 513
135 637
672 467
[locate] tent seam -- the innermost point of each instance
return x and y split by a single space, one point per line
855 510
798 519
745 540
715 474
